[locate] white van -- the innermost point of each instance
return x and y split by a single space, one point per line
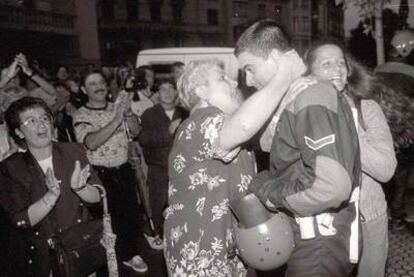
161 59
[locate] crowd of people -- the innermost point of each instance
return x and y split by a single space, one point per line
180 149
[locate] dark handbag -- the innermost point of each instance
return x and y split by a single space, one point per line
77 251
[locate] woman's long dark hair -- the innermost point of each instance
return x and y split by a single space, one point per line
360 84
360 78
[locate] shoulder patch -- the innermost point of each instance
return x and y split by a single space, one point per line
318 144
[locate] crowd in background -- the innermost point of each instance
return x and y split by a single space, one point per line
105 110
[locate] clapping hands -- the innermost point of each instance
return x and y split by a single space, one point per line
52 184
79 177
12 70
19 63
23 64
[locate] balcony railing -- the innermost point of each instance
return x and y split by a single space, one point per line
36 20
148 26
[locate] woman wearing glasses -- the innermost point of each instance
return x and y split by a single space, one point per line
43 189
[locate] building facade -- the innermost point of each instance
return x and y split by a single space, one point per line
126 26
245 12
306 20
50 31
113 31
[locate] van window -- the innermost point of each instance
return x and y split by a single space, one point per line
162 70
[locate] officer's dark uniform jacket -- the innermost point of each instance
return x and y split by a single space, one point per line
315 160
22 183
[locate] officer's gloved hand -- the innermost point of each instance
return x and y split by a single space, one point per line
264 186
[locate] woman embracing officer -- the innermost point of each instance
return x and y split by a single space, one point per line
209 167
46 188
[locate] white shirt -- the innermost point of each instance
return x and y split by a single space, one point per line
45 164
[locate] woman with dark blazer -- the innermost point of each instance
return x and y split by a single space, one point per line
46 187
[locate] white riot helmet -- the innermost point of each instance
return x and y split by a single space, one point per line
403 42
264 240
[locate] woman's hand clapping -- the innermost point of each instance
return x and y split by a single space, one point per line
52 183
79 177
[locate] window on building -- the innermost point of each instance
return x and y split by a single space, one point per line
132 10
155 10
107 9
296 24
305 44
278 14
237 31
295 4
240 9
177 10
28 4
212 17
305 4
261 10
305 24
295 43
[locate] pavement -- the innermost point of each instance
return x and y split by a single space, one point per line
401 254
401 246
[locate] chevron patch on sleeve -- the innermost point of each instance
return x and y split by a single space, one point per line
318 144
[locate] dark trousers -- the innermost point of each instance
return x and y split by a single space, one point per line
120 184
398 187
14 254
321 256
157 182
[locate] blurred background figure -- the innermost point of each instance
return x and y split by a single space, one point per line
62 74
396 94
140 82
159 124
114 88
177 70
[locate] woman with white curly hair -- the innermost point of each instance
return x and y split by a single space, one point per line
209 167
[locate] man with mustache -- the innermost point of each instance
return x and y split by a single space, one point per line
101 126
